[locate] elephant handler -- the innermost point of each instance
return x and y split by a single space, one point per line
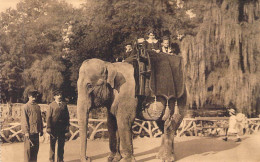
32 126
58 122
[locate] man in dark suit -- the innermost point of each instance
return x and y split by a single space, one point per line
127 53
32 126
57 125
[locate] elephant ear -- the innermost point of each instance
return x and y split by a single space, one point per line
114 78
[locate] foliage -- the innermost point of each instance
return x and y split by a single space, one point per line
29 34
104 27
45 76
222 61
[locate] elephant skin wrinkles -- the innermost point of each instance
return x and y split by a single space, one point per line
112 85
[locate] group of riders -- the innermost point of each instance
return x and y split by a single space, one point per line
149 44
139 54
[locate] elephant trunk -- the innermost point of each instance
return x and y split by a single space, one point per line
83 107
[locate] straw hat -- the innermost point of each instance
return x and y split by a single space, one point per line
232 111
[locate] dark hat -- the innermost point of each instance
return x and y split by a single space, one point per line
32 93
128 43
57 92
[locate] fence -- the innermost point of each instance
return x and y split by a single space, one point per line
200 126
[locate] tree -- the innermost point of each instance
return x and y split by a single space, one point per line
219 42
103 27
221 61
45 76
30 33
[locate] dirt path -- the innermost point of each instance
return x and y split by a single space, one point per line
187 149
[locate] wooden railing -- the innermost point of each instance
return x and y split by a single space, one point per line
200 126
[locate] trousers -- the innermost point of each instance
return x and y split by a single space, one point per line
60 138
31 148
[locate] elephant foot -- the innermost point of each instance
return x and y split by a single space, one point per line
87 159
166 156
114 157
128 159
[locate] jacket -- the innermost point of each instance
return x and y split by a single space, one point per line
57 117
31 119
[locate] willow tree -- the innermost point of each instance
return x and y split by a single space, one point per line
222 60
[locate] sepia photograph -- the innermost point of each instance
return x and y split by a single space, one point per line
130 80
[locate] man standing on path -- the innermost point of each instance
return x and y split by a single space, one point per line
32 126
57 125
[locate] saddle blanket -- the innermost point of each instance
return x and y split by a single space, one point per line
166 75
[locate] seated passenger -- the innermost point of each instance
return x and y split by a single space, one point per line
165 46
128 51
151 43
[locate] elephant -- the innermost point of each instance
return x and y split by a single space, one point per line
112 85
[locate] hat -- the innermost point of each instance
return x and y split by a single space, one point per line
128 43
32 93
232 111
57 92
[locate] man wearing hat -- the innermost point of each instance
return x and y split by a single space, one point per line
232 125
58 122
32 126
128 51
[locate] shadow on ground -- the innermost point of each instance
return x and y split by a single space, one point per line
100 156
195 146
184 149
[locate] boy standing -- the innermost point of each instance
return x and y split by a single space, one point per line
57 125
32 126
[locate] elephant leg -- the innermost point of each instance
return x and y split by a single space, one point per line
124 122
167 145
166 151
114 140
83 125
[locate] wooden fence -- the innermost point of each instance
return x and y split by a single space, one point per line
199 126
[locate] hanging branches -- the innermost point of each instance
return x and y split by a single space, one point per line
221 61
